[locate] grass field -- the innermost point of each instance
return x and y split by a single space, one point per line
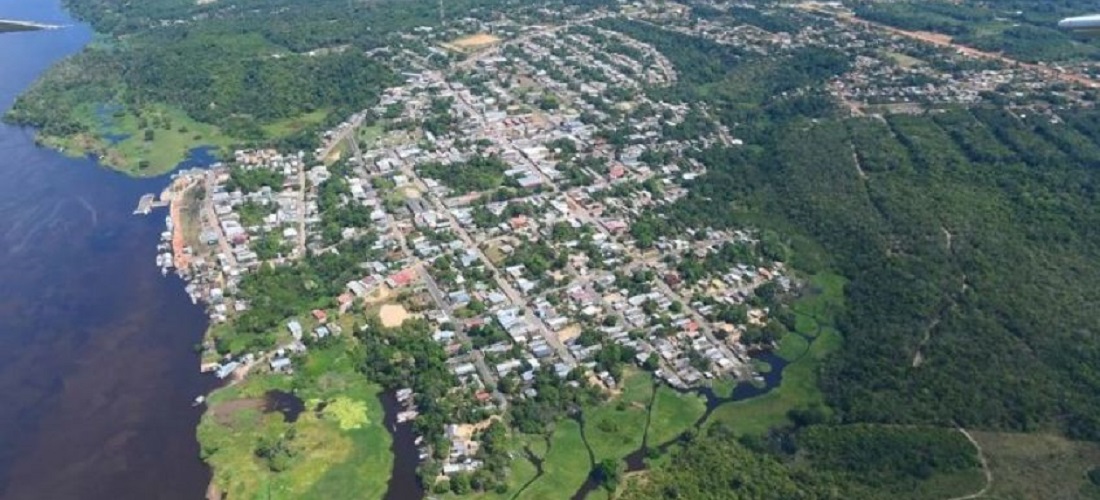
289 126
904 60
566 466
1039 466
792 347
369 136
798 388
616 428
672 414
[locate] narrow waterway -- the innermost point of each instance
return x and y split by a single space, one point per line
97 365
403 484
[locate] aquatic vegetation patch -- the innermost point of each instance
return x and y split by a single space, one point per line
348 413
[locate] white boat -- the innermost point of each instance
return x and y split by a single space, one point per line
200 399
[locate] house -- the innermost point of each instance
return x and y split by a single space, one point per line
401 279
320 315
345 300
280 365
227 369
295 329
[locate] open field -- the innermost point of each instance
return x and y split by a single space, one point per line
1039 466
672 414
617 427
369 136
393 315
472 42
904 60
289 126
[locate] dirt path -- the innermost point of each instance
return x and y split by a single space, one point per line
946 41
985 468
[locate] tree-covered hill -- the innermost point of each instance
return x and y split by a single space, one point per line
968 236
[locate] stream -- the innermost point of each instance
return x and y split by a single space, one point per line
635 460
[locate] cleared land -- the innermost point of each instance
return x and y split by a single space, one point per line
393 315
1039 466
472 43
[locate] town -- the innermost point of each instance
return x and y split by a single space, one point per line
494 196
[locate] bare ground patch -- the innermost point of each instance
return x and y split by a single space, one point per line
225 413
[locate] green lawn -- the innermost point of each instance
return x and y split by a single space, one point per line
723 387
369 136
614 429
792 347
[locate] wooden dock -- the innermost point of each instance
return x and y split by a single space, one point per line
147 203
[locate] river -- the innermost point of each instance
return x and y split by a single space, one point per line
97 367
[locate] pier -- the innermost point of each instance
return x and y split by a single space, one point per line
147 203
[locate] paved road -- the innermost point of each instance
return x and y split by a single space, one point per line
437 294
301 247
342 135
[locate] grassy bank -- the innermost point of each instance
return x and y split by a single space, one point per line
672 414
616 428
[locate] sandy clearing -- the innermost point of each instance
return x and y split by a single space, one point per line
569 333
393 315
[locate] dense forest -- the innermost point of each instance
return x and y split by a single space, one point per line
816 462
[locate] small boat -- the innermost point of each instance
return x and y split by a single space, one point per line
200 399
